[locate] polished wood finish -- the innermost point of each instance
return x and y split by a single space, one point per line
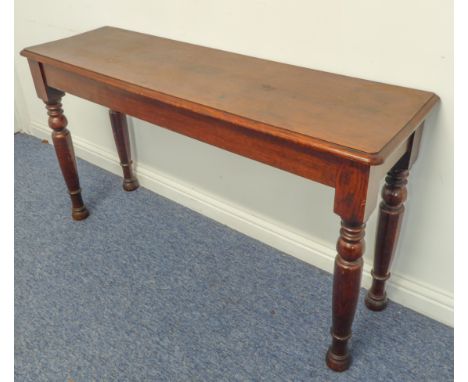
391 212
344 132
66 156
122 141
314 108
346 284
277 151
390 217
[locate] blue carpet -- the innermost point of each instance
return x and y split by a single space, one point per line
147 290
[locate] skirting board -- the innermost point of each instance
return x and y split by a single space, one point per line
421 297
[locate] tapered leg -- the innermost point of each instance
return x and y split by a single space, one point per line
390 217
346 284
122 141
66 156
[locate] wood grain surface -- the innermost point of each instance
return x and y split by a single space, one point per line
311 106
340 131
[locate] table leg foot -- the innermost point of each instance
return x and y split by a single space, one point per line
338 363
376 303
130 184
80 213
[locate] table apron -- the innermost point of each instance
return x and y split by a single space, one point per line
275 151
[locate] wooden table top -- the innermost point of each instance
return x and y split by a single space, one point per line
334 111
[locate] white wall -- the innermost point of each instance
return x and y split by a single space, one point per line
398 42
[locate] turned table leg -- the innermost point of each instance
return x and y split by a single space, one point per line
390 217
122 141
346 284
66 156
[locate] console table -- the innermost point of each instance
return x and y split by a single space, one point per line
344 132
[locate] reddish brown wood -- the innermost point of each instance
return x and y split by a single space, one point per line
278 151
343 132
346 283
338 114
391 213
354 196
66 156
122 141
44 91
354 201
390 217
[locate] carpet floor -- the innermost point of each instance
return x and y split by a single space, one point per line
148 290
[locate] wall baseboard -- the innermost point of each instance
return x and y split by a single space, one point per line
416 295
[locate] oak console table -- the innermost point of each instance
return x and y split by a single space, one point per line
343 132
